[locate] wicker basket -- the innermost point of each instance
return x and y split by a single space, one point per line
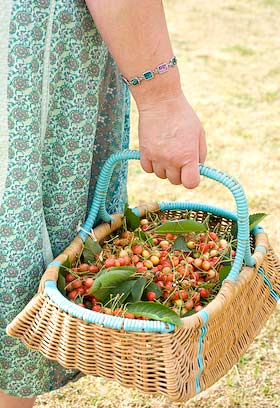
153 356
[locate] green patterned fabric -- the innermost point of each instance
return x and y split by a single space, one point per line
67 111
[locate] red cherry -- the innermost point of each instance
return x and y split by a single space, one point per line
109 262
168 285
93 268
203 247
151 296
137 249
69 277
213 236
72 295
77 283
130 315
88 282
204 293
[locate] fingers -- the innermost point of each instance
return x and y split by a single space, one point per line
202 147
173 175
190 176
146 164
159 170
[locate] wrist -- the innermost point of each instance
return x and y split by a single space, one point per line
155 83
161 87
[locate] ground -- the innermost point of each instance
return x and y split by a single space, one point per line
228 53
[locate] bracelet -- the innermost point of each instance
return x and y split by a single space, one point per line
147 75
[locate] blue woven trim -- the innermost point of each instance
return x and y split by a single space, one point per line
55 263
136 211
260 248
182 205
257 229
113 322
97 208
275 295
205 318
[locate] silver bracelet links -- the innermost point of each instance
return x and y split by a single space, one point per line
147 75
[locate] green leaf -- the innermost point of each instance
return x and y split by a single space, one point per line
132 220
63 270
189 313
61 283
112 278
255 219
91 249
180 244
155 311
224 271
107 282
78 300
209 285
128 291
121 268
152 287
137 290
180 227
123 291
115 268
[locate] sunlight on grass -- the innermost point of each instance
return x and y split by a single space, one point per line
240 49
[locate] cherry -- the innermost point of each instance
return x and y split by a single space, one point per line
93 268
110 262
137 249
204 293
151 296
69 277
88 282
77 283
84 267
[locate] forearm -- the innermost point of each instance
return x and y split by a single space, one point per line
137 37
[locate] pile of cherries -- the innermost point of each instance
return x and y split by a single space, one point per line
187 279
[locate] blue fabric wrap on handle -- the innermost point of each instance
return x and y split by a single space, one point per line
98 210
243 245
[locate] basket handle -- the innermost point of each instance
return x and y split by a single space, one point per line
98 209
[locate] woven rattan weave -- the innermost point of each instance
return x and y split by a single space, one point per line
176 362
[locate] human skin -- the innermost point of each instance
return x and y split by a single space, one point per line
7 401
171 137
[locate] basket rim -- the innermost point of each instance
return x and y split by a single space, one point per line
225 294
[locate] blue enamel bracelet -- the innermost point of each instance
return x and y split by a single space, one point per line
147 75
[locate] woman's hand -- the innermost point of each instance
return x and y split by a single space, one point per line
171 140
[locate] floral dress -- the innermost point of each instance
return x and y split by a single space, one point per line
63 111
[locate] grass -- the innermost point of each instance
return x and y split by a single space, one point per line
240 49
228 53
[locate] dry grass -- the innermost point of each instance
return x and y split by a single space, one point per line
229 55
